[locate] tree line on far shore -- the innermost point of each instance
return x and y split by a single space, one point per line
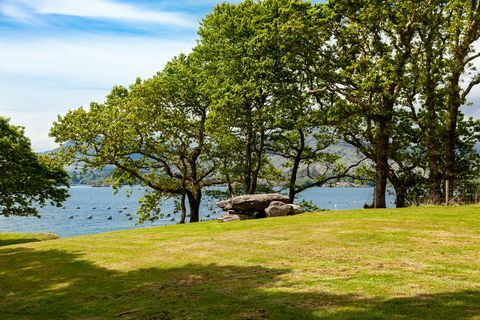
290 79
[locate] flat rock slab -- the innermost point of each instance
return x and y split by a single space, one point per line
228 217
251 202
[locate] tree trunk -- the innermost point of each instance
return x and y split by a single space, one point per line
451 138
247 178
227 179
400 195
258 163
381 165
194 199
431 127
184 209
292 192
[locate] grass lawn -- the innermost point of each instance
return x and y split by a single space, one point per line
9 238
416 263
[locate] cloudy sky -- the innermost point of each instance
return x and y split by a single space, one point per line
61 54
57 55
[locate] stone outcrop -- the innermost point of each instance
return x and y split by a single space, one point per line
280 209
251 202
257 206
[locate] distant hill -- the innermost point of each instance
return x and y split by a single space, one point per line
347 152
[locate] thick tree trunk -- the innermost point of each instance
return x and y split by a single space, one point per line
451 138
381 165
434 149
292 192
194 199
400 195
183 207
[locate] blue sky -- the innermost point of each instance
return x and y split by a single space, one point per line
57 55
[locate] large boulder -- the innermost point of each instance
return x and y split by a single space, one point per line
252 202
280 209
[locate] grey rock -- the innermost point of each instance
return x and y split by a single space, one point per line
279 209
228 217
252 202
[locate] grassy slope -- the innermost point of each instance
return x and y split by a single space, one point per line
412 263
9 238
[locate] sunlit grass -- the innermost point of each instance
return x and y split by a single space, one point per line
415 263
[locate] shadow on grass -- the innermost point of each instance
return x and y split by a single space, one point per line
7 242
56 284
7 239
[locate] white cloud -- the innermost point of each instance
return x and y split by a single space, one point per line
24 10
43 78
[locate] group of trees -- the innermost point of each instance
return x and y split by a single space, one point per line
289 79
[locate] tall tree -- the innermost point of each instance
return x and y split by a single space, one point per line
369 52
464 31
153 133
27 180
240 66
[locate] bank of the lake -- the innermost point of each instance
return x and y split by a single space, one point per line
101 202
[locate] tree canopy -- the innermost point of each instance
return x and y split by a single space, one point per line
27 180
290 79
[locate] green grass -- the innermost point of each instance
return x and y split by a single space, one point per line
419 263
9 238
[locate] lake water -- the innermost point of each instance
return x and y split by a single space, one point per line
87 201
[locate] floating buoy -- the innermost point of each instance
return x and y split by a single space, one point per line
109 218
89 217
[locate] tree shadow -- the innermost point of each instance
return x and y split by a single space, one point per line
56 284
8 242
7 239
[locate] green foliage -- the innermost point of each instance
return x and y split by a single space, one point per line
27 180
152 133
309 206
291 79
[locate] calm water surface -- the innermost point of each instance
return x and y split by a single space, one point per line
100 203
